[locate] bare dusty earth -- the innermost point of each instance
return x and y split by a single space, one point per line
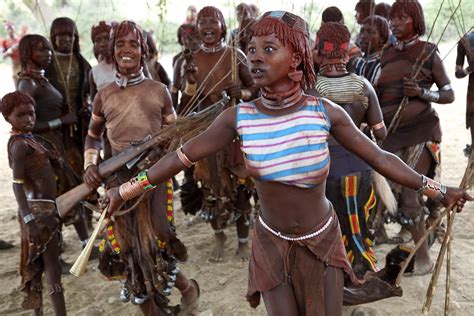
223 285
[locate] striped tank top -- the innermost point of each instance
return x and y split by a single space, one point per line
289 148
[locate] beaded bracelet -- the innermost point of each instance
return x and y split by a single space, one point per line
135 186
432 189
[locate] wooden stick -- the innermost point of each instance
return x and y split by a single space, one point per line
465 183
448 273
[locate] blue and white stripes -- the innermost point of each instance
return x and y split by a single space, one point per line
289 148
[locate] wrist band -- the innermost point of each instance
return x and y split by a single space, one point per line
90 133
428 95
432 189
190 88
377 126
56 123
245 94
183 158
135 186
170 118
91 157
97 118
28 218
18 181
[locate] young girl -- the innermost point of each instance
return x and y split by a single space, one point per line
34 186
298 256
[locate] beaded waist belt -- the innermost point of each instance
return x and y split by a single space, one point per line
299 238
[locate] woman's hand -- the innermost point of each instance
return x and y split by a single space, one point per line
92 178
234 91
113 199
411 88
456 196
69 118
190 73
33 232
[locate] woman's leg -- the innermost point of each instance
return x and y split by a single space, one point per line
281 300
333 290
52 269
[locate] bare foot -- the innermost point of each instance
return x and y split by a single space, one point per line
218 251
244 251
190 299
422 267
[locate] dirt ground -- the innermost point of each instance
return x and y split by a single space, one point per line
223 285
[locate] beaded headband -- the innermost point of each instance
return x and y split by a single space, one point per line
291 20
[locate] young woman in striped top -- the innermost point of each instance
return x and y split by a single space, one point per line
298 257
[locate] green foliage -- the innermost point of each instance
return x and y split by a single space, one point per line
459 24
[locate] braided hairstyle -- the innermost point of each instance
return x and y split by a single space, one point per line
413 9
28 44
216 13
332 40
65 25
124 28
296 36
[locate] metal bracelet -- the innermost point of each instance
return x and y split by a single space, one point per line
432 189
54 124
28 218
428 95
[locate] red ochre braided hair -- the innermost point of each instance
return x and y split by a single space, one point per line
215 13
332 40
290 30
122 29
14 99
413 9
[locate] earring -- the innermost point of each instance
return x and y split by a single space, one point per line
296 75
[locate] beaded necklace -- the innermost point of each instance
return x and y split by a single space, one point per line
274 101
402 45
124 81
214 49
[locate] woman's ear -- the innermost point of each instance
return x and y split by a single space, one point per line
296 60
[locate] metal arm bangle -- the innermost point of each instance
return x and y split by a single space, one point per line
428 95
432 189
54 124
377 126
183 158
28 218
91 157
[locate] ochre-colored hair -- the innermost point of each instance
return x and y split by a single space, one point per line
381 24
100 28
124 28
65 26
14 99
413 9
28 44
216 13
296 39
334 35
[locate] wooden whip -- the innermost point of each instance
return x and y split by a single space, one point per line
79 267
